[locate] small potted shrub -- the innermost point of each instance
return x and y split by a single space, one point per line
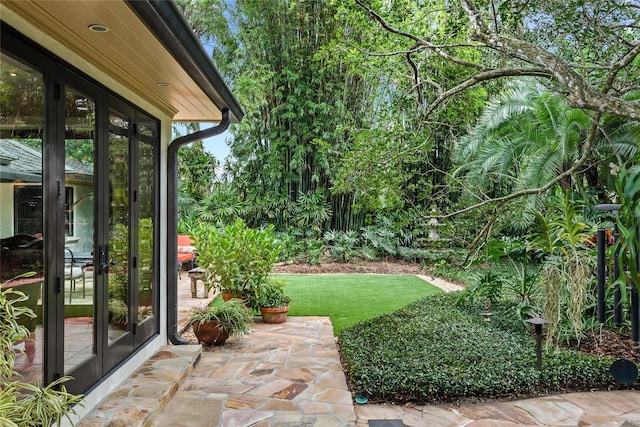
236 259
273 302
212 325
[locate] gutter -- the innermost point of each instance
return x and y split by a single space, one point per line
172 221
170 27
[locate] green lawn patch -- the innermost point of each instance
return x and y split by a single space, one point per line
351 298
434 350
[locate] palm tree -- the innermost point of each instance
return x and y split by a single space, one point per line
526 137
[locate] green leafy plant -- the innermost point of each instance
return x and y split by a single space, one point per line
234 317
119 262
236 259
525 288
628 220
382 237
272 295
561 235
486 284
343 245
26 404
145 255
118 311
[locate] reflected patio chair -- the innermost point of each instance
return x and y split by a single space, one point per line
72 272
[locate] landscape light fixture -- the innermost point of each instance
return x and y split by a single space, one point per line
537 322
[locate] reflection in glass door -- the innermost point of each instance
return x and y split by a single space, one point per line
146 205
21 204
79 281
119 242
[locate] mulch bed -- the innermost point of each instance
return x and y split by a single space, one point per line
355 266
610 344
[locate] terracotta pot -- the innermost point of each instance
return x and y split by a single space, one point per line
274 315
226 296
209 332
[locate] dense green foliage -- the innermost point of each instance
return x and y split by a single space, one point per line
356 109
300 101
628 221
433 350
236 259
197 171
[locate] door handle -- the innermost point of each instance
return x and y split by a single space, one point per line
103 259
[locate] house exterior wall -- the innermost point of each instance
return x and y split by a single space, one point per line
6 193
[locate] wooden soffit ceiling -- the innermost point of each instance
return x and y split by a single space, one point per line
129 52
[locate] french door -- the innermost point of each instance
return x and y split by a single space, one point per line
117 227
79 183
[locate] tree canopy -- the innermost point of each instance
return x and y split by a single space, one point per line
355 109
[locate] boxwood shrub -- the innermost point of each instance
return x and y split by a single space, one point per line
434 350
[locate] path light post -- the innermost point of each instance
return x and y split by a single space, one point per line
537 322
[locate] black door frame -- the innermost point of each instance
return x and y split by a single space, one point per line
57 74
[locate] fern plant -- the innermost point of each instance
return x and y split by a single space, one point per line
24 404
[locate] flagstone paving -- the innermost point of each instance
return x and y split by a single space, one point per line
291 375
610 408
279 375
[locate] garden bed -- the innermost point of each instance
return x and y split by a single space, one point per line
329 266
434 351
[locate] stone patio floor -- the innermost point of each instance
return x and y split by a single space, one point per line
290 375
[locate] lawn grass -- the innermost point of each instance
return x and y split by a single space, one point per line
350 298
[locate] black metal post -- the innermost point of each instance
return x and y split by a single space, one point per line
602 315
618 319
537 322
635 308
538 346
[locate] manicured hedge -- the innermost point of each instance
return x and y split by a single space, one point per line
434 350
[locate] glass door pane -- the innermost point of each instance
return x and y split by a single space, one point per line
22 203
118 228
79 279
146 191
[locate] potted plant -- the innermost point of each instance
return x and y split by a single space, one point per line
273 301
214 324
236 259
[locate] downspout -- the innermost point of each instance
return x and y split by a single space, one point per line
172 221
